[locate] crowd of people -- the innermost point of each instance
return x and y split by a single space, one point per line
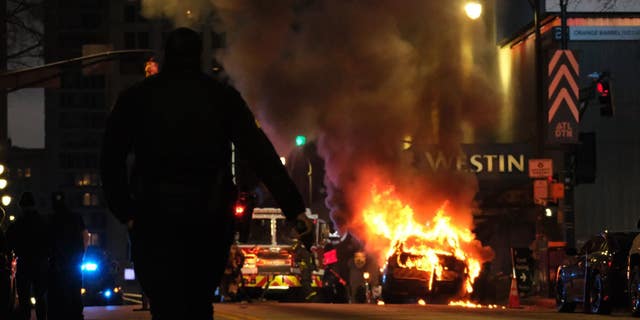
48 251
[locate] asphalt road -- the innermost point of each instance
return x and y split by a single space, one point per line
277 311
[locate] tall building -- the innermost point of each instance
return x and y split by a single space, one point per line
76 111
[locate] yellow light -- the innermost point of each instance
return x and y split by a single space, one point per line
380 303
283 160
116 289
6 200
3 183
33 301
366 275
83 291
548 212
421 302
12 218
1 169
473 10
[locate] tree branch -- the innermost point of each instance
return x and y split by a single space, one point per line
23 51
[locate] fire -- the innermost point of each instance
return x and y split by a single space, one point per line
469 304
150 67
423 246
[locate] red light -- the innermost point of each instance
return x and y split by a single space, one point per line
239 210
602 90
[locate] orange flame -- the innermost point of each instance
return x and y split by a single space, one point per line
469 304
150 67
386 216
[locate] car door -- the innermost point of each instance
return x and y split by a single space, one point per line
577 270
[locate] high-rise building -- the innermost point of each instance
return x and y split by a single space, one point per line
76 111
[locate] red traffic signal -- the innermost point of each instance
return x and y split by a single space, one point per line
239 210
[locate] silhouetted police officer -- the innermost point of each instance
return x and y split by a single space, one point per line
28 239
178 201
68 242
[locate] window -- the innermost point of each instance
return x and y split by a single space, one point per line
133 40
79 160
130 13
86 179
129 40
90 199
143 40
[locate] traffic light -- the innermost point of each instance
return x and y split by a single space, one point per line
301 141
604 92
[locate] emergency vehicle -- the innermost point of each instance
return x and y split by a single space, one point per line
272 264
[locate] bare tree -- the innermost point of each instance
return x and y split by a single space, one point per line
24 33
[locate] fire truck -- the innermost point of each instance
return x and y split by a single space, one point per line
275 264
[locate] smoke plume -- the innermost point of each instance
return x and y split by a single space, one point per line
361 77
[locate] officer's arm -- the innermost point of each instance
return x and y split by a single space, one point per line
116 145
249 138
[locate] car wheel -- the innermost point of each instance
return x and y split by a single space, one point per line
596 301
634 291
562 298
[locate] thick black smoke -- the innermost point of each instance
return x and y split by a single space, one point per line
360 76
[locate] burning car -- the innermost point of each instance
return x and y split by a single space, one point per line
435 260
403 281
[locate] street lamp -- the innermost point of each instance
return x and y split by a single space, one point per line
6 200
473 9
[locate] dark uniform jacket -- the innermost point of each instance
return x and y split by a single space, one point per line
179 125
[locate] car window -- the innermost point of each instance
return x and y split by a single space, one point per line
594 244
260 231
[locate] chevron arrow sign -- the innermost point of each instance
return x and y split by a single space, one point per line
562 98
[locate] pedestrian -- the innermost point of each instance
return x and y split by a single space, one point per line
364 278
231 281
178 198
27 237
69 239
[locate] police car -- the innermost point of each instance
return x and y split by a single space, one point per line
98 279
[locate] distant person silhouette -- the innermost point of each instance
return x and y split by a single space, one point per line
69 239
27 237
5 273
178 200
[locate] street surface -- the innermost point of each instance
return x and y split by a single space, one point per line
278 311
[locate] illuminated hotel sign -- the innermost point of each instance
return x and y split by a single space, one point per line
492 160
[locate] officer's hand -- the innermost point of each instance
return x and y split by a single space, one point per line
304 230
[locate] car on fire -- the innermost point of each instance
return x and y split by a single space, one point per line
596 276
98 279
404 283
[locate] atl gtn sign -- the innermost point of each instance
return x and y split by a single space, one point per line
563 98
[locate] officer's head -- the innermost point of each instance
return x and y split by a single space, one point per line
27 201
183 49
359 259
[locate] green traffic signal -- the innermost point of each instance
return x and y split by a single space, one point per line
301 140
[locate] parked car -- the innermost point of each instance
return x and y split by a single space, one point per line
596 276
633 275
98 279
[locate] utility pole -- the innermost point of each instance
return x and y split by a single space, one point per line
569 156
540 121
